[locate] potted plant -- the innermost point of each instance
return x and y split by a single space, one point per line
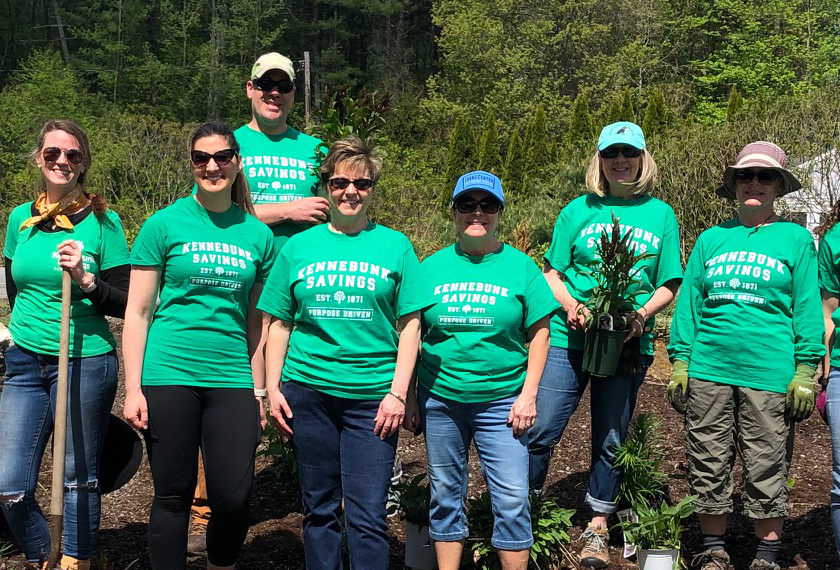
611 300
657 532
414 499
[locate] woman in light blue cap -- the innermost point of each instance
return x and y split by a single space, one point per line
619 178
478 374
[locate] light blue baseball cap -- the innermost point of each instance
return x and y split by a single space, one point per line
480 180
622 132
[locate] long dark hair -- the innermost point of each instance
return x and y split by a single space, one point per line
71 128
240 194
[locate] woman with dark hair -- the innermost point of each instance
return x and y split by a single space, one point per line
345 300
194 364
65 228
828 262
746 338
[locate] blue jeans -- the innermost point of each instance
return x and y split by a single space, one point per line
612 400
832 408
339 456
27 411
450 426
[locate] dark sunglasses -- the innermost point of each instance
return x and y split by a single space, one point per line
221 157
340 183
267 84
765 176
487 205
53 153
626 151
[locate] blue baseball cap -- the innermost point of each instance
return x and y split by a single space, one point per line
622 132
480 180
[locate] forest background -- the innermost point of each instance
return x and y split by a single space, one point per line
517 87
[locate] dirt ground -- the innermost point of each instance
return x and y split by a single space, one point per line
274 539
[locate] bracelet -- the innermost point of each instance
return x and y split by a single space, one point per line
89 288
260 392
398 397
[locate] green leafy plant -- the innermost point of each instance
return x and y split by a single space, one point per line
639 458
549 524
659 528
340 115
281 453
415 497
615 274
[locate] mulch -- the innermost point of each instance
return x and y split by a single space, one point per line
275 541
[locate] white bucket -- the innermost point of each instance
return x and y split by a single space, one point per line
657 559
419 548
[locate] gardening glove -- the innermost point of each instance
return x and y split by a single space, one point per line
678 387
801 393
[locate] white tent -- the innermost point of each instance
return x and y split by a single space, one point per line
820 178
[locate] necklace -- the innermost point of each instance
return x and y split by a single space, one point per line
761 224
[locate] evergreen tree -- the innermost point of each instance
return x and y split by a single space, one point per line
461 156
736 102
656 114
515 173
490 157
580 135
614 111
627 112
537 154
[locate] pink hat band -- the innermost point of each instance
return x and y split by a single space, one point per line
759 154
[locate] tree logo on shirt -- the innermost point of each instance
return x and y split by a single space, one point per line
339 297
276 185
466 308
734 282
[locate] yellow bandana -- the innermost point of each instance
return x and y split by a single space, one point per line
73 202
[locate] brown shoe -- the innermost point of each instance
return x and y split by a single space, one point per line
596 551
712 560
763 565
197 540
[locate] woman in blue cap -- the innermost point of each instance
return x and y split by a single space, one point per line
478 379
619 178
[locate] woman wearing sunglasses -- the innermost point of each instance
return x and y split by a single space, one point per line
478 376
194 364
344 299
745 341
67 228
619 178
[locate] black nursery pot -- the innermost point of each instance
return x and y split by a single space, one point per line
602 351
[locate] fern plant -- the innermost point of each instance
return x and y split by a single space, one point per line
639 458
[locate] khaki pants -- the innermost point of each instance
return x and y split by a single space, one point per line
720 419
200 510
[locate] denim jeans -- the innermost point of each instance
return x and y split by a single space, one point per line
339 456
450 426
612 400
27 411
832 408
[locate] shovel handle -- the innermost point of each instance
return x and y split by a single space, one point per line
60 423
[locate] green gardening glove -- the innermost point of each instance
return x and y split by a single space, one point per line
801 393
678 387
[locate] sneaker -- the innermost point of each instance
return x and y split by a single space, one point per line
712 560
197 539
596 552
758 564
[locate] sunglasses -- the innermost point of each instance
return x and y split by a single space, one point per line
267 84
612 151
53 153
765 176
340 183
487 205
221 157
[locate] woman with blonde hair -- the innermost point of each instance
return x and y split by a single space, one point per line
65 229
619 178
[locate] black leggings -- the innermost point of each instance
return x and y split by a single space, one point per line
225 423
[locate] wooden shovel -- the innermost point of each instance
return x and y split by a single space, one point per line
60 426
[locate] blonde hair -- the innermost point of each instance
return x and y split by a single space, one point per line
597 183
353 152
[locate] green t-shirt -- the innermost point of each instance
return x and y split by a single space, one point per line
475 333
344 296
279 169
749 310
576 234
36 318
208 263
828 262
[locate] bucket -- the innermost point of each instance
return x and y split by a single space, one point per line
602 350
419 550
657 559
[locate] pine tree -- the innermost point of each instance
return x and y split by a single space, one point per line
736 102
614 111
656 114
627 112
490 157
515 173
536 147
580 136
461 157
